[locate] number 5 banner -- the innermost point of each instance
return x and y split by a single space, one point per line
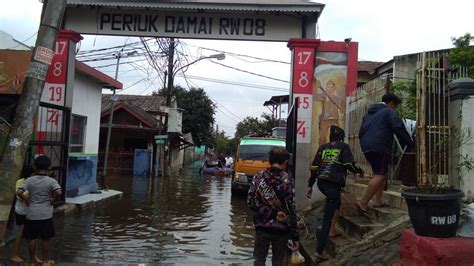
303 127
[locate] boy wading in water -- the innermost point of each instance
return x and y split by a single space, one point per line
330 167
43 191
271 199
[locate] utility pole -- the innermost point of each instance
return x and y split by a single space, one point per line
170 74
169 89
109 128
114 99
22 128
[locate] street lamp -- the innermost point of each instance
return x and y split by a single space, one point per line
111 115
170 85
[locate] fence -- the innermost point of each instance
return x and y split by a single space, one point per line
434 132
120 161
366 95
4 131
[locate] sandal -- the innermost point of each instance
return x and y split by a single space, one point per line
319 258
362 212
383 204
17 259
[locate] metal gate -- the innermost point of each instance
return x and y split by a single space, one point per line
51 138
434 131
291 130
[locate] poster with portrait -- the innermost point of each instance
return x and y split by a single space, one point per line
329 95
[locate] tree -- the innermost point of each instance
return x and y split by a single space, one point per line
254 126
224 145
408 92
463 53
198 114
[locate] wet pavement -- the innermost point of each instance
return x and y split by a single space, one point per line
180 220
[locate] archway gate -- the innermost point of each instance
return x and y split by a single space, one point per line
315 64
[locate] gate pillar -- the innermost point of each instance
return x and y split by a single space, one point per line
324 75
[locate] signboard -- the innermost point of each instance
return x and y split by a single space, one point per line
159 141
303 65
54 92
134 22
161 136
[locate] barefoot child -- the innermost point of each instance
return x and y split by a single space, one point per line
20 213
43 191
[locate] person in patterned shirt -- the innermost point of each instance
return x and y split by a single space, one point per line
271 200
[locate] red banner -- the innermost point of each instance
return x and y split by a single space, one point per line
303 66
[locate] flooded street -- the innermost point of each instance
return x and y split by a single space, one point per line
182 220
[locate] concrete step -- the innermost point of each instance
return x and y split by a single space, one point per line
393 198
333 245
358 226
385 215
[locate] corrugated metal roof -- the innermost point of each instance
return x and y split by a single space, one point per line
304 6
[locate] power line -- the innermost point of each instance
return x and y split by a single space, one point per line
242 55
236 116
217 105
249 72
261 87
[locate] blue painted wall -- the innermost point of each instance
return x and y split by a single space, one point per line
82 175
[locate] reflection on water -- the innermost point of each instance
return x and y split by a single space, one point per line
188 219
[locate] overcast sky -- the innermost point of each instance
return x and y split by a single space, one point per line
382 28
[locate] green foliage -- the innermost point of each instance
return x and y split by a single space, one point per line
407 90
224 144
198 114
463 53
254 126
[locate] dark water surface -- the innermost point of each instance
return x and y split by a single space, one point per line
182 220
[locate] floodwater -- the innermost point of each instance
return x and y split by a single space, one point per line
180 220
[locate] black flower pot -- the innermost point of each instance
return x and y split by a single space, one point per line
434 212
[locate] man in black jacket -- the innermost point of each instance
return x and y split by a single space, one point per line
376 140
330 167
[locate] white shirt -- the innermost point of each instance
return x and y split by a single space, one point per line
228 161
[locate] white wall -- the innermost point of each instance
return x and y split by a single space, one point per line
87 102
467 148
461 116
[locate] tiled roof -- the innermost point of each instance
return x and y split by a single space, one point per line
368 65
148 103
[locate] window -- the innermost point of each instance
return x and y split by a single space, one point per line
78 129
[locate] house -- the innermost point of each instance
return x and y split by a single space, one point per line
68 119
139 126
366 71
137 120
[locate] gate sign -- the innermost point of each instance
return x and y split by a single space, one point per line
183 25
54 92
303 66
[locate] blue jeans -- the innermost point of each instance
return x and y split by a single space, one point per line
332 191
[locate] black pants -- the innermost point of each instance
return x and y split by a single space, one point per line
332 191
279 243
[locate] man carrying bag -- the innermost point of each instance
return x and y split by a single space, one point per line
271 199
